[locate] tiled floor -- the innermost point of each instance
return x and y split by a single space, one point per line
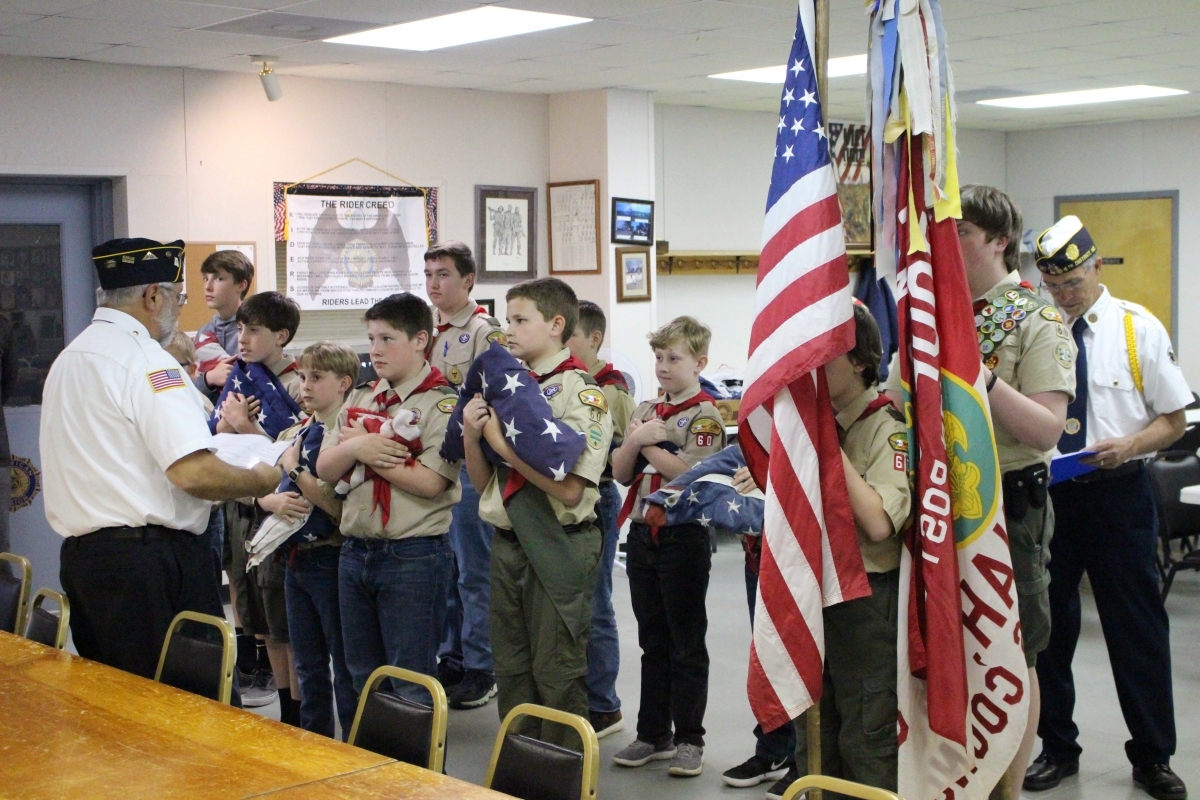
1104 772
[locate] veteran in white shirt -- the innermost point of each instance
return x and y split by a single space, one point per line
1129 403
128 464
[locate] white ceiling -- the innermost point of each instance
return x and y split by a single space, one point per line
997 47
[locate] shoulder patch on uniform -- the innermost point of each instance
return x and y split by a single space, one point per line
594 398
705 425
498 337
551 390
1051 314
1063 355
899 442
447 404
595 436
165 379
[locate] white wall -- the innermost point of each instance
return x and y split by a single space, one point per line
1128 157
713 172
196 152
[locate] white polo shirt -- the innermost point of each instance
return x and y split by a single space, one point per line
1115 406
117 410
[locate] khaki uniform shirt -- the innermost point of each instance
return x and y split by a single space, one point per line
583 407
697 431
410 515
878 450
620 408
456 347
1037 355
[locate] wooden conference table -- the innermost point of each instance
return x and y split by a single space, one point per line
74 728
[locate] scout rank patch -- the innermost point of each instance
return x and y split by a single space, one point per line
455 376
595 436
999 318
594 398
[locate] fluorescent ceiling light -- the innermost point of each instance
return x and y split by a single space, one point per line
838 68
1083 97
463 27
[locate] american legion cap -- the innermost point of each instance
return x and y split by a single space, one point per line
135 262
1064 246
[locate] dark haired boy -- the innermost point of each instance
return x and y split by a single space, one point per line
396 565
859 739
464 330
604 652
227 277
547 545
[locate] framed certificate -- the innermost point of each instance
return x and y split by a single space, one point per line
573 213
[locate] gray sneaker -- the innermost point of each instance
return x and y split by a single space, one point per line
260 691
688 762
638 753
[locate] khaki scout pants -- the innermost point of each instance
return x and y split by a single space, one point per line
858 704
537 658
1029 545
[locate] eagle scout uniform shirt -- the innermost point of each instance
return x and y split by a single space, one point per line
578 402
408 514
117 411
876 442
1116 407
697 430
461 338
1023 340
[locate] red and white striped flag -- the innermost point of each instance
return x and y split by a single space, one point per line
804 318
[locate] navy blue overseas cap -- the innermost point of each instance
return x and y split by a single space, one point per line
135 262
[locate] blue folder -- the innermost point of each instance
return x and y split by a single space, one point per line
1063 468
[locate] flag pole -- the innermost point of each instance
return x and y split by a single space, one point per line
821 57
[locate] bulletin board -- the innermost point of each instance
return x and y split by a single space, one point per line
1137 236
195 313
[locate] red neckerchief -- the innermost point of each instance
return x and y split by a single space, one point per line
611 376
289 368
381 491
516 481
479 311
663 411
879 402
981 304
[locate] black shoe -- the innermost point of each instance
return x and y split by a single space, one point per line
449 675
780 786
605 723
1160 782
1047 772
755 770
475 690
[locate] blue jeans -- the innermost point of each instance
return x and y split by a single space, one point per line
604 651
466 639
392 595
315 628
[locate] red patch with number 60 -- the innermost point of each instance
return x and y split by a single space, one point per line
899 462
704 439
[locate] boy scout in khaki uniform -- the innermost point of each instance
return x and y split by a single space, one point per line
461 339
858 704
1029 368
546 551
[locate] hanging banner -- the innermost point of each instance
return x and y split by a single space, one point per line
349 246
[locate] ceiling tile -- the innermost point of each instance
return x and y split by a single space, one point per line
68 29
160 12
132 54
383 12
593 9
707 15
11 20
42 7
218 44
46 48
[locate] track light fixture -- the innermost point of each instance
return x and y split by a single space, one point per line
270 81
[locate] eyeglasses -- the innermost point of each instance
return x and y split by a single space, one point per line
1063 288
180 297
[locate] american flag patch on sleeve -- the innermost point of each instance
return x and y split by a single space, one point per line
166 379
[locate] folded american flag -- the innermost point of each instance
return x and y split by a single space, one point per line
545 444
277 410
401 428
276 532
704 495
208 352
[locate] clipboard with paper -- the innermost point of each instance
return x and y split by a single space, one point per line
1064 468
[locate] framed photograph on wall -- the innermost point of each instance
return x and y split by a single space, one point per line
573 212
490 305
634 265
506 233
632 221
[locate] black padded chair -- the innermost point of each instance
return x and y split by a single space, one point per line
197 664
1178 522
534 770
809 783
47 628
14 593
399 728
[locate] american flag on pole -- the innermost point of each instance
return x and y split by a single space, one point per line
803 319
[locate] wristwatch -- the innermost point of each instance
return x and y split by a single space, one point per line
295 474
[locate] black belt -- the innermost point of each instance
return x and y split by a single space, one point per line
377 542
509 535
124 533
1125 470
